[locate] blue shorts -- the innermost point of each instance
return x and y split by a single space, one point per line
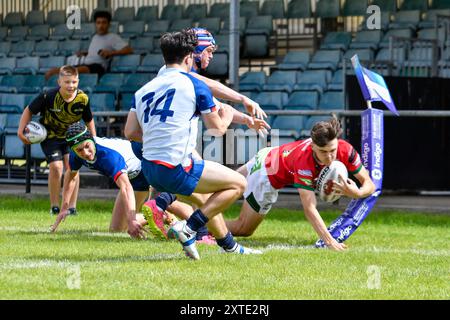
140 183
174 180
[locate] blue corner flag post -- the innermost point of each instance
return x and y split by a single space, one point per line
373 88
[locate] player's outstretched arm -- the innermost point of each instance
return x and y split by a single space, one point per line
91 127
24 119
218 120
70 183
126 194
221 91
308 199
133 130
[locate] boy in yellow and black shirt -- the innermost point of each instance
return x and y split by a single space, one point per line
59 108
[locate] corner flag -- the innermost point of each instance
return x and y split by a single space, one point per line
373 86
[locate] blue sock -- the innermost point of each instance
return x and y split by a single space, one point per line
164 200
197 220
203 231
227 243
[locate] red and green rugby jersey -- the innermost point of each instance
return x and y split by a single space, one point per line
294 164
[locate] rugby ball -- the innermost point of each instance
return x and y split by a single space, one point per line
36 132
324 184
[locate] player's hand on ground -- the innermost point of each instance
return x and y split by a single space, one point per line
135 230
60 218
253 108
346 187
336 246
259 125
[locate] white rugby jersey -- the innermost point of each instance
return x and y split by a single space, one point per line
168 109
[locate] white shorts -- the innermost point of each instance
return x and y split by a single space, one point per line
259 193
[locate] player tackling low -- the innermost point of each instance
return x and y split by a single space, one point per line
299 164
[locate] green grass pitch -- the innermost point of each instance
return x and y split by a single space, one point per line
393 255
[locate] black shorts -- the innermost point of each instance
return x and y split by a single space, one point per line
54 149
95 68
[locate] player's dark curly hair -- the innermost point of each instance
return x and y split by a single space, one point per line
175 46
325 131
77 133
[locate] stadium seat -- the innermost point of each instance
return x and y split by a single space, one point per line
51 83
126 101
430 34
68 47
440 4
34 17
311 121
46 48
47 63
88 81
86 31
289 125
133 82
386 5
61 32
13 19
123 15
22 49
298 9
151 63
109 83
257 36
10 83
179 24
274 8
281 81
430 18
102 102
354 8
420 57
366 39
402 33
196 12
305 100
226 26
421 5
17 33
147 14
210 24
38 33
313 80
405 19
36 152
13 147
157 28
133 29
32 84
336 40
218 67
328 9
252 81
295 60
7 65
337 81
222 41
272 100
220 10
325 59
172 12
125 63
332 100
3 33
56 17
142 45
5 47
398 55
249 9
15 103
364 55
27 65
